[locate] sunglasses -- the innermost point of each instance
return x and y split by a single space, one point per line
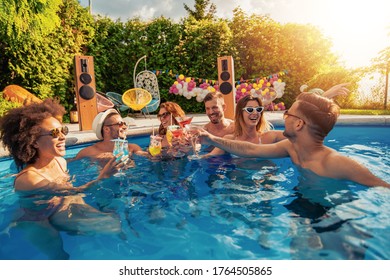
250 110
55 132
287 114
163 115
121 123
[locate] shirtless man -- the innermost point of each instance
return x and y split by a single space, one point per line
307 123
215 107
108 125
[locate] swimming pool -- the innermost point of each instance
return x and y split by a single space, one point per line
224 208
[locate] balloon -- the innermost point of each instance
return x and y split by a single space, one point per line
303 88
317 91
279 88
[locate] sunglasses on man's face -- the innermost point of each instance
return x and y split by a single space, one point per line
250 110
55 132
121 123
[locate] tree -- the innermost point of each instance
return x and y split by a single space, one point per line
42 60
28 19
381 64
22 22
203 9
266 47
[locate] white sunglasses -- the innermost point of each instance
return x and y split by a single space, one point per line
250 110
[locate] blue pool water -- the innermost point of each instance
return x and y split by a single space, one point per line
221 208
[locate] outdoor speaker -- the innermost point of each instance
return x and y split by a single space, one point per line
226 84
85 91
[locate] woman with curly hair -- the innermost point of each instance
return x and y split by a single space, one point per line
250 125
35 137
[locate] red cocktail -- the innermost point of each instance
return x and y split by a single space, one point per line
184 120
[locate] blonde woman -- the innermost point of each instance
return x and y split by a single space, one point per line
250 125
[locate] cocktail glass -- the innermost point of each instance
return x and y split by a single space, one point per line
121 146
174 135
192 132
183 121
170 131
155 145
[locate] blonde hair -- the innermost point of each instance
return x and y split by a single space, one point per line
262 126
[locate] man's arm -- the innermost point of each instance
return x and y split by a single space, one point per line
246 149
336 90
90 151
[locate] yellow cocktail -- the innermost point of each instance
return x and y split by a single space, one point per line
155 145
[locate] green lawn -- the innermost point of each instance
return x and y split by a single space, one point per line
364 112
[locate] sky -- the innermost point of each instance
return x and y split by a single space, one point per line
358 29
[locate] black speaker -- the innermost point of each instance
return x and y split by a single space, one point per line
226 84
85 91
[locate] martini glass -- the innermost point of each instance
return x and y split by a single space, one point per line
183 121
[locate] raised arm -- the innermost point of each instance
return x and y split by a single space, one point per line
336 90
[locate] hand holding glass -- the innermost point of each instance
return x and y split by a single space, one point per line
155 145
121 146
192 131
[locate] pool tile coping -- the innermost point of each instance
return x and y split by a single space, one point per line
143 125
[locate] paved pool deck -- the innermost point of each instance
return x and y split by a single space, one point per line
143 125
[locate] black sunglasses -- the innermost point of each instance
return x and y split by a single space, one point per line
163 115
287 114
250 110
55 132
121 123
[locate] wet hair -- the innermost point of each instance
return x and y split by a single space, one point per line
21 127
175 110
214 95
319 112
262 126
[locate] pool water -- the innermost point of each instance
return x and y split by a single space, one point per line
222 208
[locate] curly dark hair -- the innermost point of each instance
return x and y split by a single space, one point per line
20 127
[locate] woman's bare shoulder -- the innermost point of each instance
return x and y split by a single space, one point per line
29 179
272 136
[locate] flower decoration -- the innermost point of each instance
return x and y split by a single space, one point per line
186 86
275 107
266 88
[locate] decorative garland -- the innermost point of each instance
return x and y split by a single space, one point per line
266 88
